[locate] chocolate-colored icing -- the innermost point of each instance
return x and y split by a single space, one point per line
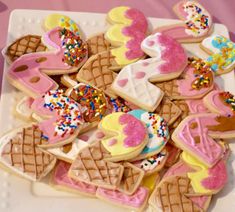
224 124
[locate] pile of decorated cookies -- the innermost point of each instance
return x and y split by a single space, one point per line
125 116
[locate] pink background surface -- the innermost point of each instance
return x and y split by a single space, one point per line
221 10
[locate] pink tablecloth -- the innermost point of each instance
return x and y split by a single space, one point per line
222 11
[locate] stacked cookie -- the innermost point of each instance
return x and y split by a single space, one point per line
126 115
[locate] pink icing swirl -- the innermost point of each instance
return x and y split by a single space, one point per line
173 54
136 31
134 137
135 200
60 177
217 177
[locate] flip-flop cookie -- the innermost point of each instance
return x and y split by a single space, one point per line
168 61
197 24
28 73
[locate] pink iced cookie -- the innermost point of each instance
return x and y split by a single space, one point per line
220 102
197 23
196 132
196 106
29 72
64 117
135 201
167 62
60 180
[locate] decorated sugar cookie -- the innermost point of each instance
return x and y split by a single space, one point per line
195 82
129 28
61 181
158 133
19 152
197 23
204 180
126 136
64 118
136 201
196 132
28 73
153 163
57 20
220 102
23 108
222 53
168 61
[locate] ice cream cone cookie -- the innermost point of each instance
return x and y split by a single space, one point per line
20 153
168 61
69 80
68 152
61 181
127 32
57 20
196 132
91 166
204 180
64 118
126 136
220 102
29 72
171 194
197 23
136 201
158 133
196 81
153 163
222 53
23 45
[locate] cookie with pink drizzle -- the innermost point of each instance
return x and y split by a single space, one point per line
168 61
197 23
29 72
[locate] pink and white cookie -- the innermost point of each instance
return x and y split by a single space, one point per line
64 118
61 181
29 72
136 201
220 102
197 23
196 132
168 61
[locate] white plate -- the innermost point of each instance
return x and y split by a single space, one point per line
19 195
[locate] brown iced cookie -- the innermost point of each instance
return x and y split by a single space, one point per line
90 167
171 195
97 44
97 72
168 110
131 179
20 153
24 45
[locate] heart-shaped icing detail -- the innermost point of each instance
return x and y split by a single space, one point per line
139 74
122 82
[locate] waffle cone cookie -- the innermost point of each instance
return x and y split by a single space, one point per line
91 167
196 26
131 179
171 195
19 153
24 45
97 44
61 181
168 110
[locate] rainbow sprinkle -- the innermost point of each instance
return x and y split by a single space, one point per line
229 99
118 105
67 109
75 50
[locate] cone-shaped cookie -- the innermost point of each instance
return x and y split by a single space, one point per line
24 45
19 152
